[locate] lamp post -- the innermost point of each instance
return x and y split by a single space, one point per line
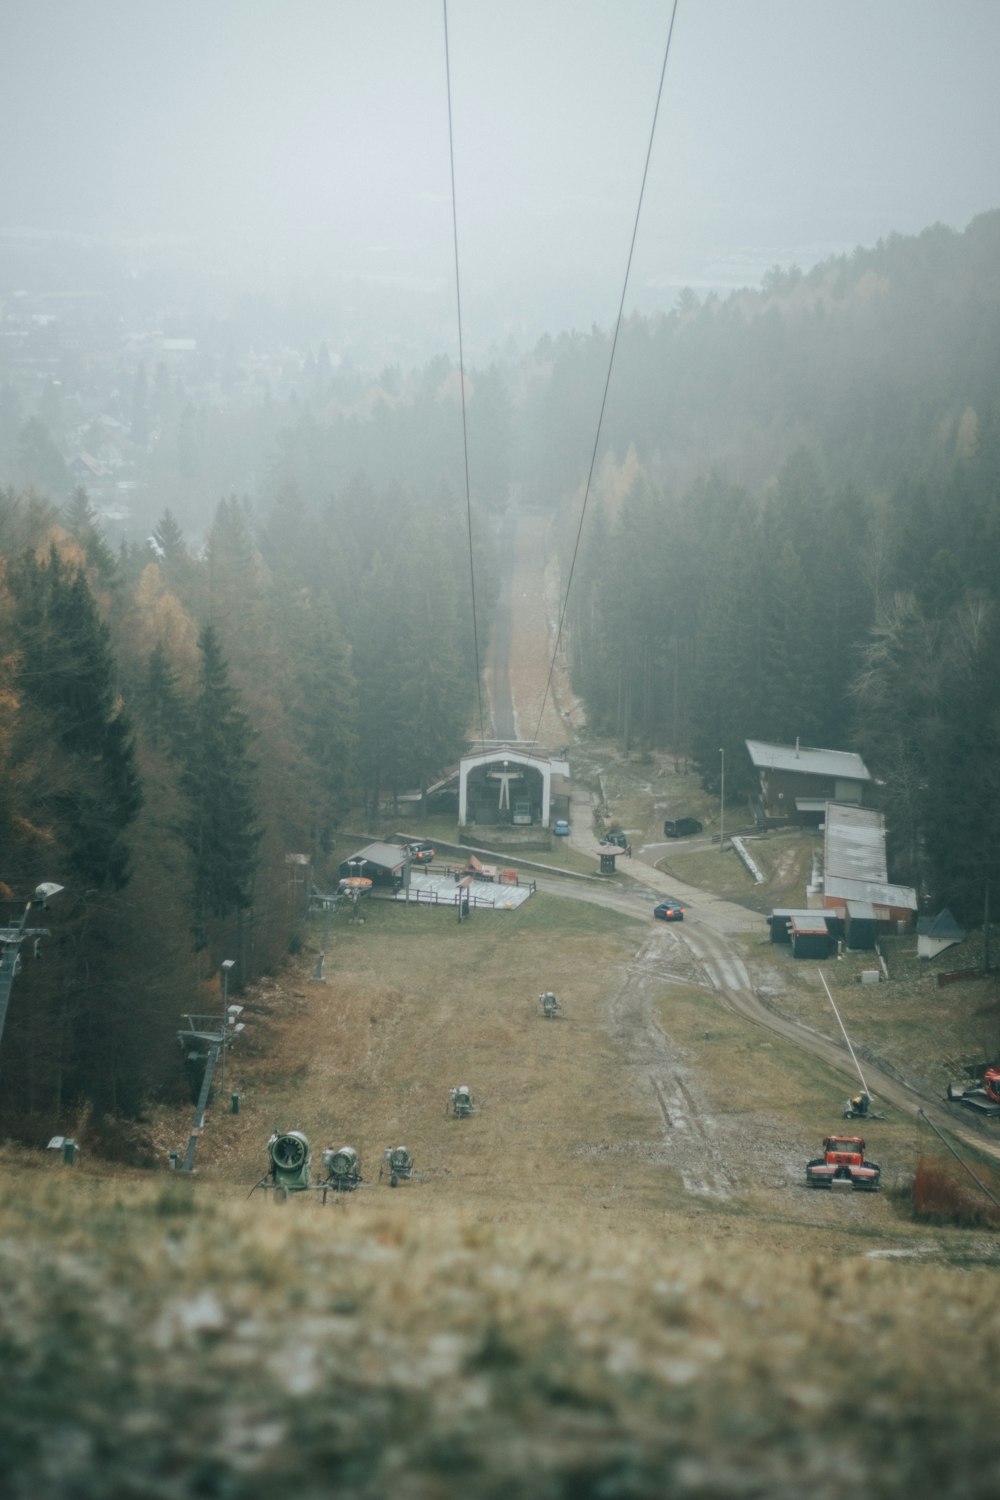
11 939
722 802
227 964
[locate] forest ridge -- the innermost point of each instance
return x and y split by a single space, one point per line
792 531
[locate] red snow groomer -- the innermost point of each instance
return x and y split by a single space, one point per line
843 1165
983 1096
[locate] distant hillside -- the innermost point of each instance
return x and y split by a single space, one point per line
869 360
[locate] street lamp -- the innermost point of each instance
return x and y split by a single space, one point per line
722 801
226 966
11 939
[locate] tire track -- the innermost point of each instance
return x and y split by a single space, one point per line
689 1131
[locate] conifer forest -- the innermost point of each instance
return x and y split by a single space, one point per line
791 530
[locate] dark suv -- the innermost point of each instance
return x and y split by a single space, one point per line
615 836
679 828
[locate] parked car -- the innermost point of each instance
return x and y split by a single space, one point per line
669 910
420 852
561 827
679 828
615 837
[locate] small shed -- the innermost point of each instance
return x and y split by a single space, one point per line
935 934
781 918
809 935
382 864
861 926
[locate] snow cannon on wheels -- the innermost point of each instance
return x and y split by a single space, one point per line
549 1004
983 1097
843 1165
290 1169
460 1102
398 1163
343 1170
859 1107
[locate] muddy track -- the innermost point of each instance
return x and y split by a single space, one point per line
691 1137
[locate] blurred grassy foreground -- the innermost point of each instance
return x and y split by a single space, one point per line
170 1339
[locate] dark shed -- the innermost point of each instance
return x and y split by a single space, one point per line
861 926
810 937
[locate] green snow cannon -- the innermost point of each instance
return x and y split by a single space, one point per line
461 1101
398 1163
343 1169
291 1161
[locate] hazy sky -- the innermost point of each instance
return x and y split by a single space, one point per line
285 137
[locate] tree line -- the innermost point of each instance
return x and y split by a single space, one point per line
174 724
792 532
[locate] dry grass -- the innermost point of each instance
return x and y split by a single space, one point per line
172 1342
575 1298
944 1194
608 1284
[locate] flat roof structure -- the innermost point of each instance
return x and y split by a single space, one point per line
854 861
854 846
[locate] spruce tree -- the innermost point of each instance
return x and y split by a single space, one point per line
218 779
65 679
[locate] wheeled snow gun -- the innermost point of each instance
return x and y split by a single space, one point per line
398 1164
290 1164
343 1169
843 1165
549 1004
460 1101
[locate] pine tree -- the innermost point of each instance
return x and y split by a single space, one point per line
65 678
80 521
221 830
161 709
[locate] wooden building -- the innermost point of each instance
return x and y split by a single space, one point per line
797 781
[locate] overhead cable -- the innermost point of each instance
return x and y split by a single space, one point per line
461 373
607 381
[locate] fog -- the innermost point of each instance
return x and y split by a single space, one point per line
305 142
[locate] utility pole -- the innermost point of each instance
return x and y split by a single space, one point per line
328 905
11 939
722 801
216 1033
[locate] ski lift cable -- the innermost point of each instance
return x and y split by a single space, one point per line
461 376
844 1030
611 361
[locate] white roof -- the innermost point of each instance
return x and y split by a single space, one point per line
875 892
854 844
843 764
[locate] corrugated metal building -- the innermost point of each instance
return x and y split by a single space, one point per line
855 870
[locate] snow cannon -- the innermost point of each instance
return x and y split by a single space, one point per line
343 1169
398 1163
549 1003
291 1160
461 1101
